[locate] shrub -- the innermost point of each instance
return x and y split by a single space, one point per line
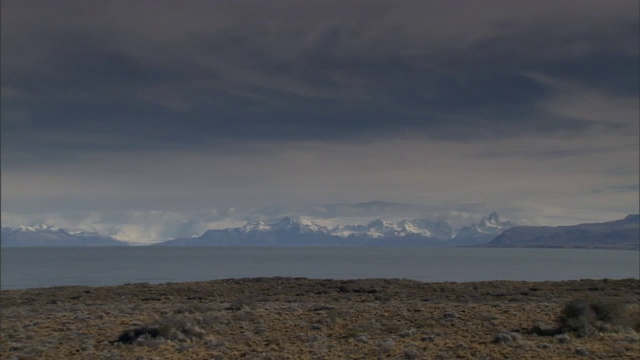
242 302
170 328
178 328
506 337
131 335
411 353
587 317
387 346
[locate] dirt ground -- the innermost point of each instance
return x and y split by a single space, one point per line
297 318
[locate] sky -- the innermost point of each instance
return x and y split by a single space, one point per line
150 120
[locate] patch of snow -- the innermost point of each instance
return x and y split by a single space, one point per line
256 226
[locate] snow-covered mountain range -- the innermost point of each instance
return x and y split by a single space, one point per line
293 230
490 231
45 235
289 230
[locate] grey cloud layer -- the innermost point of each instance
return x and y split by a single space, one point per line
163 104
287 70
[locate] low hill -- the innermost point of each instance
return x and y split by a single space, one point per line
619 234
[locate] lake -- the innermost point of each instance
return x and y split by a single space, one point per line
45 267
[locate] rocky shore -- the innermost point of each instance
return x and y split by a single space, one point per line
297 318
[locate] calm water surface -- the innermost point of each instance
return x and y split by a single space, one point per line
45 267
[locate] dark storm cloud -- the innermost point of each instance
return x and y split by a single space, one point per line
187 73
169 106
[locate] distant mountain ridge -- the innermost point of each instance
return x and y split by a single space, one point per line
44 235
289 231
300 231
490 231
618 234
484 231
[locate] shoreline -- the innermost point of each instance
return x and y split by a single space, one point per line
300 318
294 278
179 283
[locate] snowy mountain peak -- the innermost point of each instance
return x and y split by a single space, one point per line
83 233
380 224
381 228
409 228
36 228
485 230
344 231
489 224
298 224
439 229
256 226
494 218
